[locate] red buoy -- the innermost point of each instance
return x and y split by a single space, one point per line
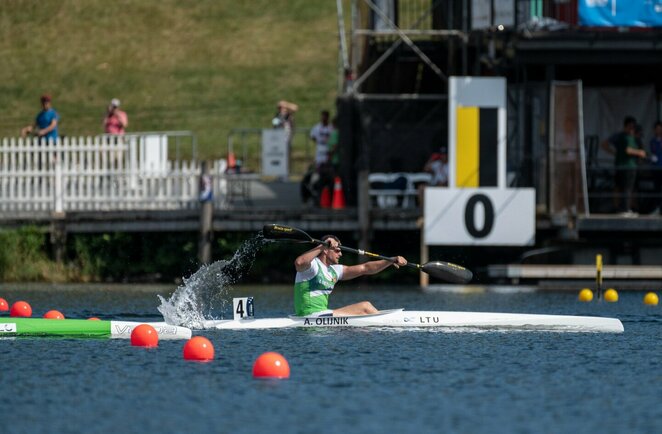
4 307
20 309
199 348
144 335
271 365
53 314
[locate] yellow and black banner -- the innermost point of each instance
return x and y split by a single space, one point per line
477 147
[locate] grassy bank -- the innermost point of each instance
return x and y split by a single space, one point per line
205 66
23 258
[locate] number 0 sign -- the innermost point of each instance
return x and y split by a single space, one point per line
481 216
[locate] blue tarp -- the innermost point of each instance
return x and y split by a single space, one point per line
620 13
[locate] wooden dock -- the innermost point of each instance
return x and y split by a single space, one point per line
573 277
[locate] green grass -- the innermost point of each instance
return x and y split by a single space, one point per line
206 65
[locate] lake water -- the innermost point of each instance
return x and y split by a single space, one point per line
342 380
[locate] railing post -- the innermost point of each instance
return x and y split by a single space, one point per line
58 224
206 214
424 278
364 210
59 236
59 202
133 163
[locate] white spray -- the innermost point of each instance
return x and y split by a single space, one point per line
206 291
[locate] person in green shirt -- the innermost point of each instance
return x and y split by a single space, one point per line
318 271
627 151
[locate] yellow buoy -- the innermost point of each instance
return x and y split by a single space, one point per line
611 295
585 295
651 299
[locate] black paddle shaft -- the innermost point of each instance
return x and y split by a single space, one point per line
443 270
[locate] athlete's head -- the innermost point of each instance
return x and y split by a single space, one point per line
332 248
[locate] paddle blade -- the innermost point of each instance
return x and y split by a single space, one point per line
452 273
285 233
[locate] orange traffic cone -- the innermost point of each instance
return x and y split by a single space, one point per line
338 195
325 198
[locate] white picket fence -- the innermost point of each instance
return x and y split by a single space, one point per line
104 173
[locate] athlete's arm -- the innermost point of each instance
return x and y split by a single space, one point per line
302 263
372 267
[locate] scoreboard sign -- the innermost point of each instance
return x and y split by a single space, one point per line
479 216
478 208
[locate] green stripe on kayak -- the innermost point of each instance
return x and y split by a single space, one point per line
54 327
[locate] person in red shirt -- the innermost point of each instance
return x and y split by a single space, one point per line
115 120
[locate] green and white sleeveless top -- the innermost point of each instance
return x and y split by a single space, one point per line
313 287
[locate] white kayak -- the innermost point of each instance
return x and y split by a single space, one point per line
455 320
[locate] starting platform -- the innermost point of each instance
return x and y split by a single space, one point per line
564 276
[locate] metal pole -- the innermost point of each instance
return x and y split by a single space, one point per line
206 215
465 39
364 209
343 42
424 280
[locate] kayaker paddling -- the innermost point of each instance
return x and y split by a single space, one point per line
318 271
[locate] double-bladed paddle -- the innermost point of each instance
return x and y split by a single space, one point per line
442 270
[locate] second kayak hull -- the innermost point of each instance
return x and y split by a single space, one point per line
80 328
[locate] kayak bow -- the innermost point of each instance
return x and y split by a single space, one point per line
80 328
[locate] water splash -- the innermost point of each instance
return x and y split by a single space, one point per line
207 290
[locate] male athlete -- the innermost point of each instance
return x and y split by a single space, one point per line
318 270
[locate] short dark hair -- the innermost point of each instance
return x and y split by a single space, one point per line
324 112
326 237
629 120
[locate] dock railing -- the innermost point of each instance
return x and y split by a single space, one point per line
246 145
104 173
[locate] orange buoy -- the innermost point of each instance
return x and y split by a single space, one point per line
271 365
94 318
144 335
3 305
199 348
53 314
21 309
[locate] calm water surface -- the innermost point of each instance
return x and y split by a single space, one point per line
343 380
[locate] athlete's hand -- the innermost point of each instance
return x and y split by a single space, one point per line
399 261
331 244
